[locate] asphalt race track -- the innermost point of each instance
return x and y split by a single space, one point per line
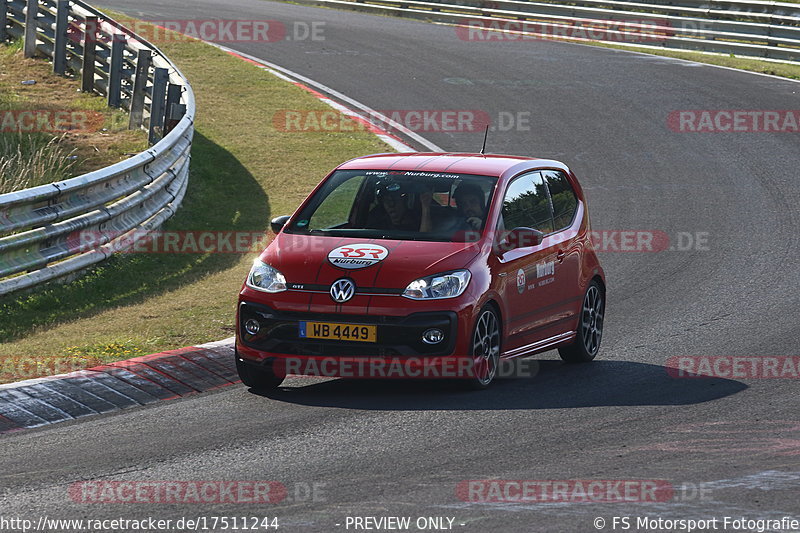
727 446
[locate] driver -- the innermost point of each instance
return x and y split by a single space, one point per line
393 211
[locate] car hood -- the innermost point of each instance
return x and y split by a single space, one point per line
305 259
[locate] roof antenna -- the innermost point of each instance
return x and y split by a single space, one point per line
485 135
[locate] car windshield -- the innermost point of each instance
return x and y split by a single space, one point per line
398 204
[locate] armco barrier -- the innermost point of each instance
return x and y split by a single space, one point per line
38 225
768 30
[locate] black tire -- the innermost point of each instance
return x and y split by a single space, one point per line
590 327
256 376
485 350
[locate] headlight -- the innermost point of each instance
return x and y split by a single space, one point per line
448 285
263 277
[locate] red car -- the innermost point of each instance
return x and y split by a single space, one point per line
420 265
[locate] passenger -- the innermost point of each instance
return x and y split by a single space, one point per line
471 205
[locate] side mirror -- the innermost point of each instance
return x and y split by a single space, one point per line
521 238
278 223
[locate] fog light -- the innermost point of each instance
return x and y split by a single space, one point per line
433 336
252 326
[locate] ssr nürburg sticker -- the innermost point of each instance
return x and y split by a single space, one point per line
360 255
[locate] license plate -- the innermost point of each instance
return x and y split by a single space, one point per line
339 332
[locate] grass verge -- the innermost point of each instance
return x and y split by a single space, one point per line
49 131
784 70
244 171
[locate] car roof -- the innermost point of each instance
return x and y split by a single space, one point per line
459 163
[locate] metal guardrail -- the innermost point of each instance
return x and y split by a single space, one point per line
752 28
42 229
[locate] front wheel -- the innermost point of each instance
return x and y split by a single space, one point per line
485 349
256 376
590 328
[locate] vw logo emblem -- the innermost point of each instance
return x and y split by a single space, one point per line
342 290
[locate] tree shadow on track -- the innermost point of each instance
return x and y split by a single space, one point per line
555 386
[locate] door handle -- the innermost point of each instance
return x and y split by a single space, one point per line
560 255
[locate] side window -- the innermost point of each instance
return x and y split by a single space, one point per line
564 202
526 204
335 208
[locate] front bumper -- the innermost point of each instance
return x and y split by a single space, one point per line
397 336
